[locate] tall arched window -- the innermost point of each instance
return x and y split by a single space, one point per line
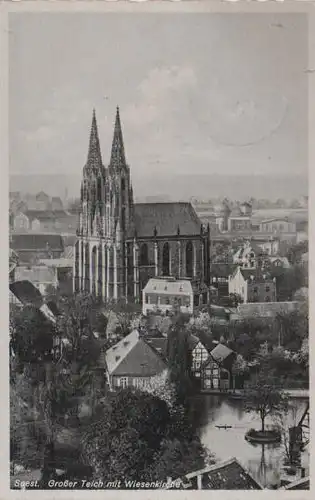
77 265
144 255
100 269
166 260
123 188
123 219
87 268
189 259
99 189
93 277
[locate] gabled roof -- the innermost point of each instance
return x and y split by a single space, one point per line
166 218
227 475
221 352
36 241
132 356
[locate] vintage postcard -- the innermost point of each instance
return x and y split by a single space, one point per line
158 316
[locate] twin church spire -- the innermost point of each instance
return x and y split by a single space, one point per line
94 158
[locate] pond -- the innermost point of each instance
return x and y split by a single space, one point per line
263 461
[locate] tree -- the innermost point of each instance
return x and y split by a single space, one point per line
140 437
264 397
125 315
239 368
180 358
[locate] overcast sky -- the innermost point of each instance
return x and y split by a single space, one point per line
198 93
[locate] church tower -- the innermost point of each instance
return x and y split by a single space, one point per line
105 219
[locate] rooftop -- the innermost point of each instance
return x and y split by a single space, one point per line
168 286
36 274
166 218
221 352
36 241
133 356
227 475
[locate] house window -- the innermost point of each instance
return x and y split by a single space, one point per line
267 288
123 382
255 289
189 259
267 298
166 260
146 299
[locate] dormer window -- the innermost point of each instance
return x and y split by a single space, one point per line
117 358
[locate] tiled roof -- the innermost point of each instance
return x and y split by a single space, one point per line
228 475
166 218
132 356
36 241
35 274
220 352
119 351
168 286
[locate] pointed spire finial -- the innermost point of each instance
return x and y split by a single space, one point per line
117 157
94 159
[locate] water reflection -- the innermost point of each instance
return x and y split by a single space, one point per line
263 461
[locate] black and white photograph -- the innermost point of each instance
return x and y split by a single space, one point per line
158 249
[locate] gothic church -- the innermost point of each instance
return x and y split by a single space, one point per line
121 244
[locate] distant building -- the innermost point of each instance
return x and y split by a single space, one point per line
252 285
166 295
33 246
199 354
132 362
249 256
278 224
40 276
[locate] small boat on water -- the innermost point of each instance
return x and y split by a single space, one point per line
224 427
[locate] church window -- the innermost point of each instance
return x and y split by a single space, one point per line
87 268
123 219
144 255
123 189
166 260
189 259
93 277
99 189
77 263
100 269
